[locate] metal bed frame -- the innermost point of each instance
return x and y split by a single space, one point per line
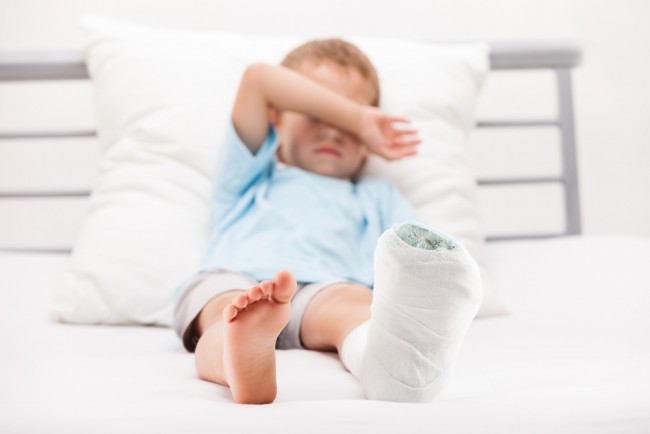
560 57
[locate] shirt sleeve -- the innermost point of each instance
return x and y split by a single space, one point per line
237 169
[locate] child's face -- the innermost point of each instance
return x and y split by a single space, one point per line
316 146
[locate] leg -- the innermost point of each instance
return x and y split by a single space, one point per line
427 290
332 314
237 338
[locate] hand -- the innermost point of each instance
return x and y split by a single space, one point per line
379 136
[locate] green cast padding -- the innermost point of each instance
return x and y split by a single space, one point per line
422 236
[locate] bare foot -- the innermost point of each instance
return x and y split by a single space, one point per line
253 321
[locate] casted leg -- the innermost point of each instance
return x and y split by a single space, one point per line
427 291
237 344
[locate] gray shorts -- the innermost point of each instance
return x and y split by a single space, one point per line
211 283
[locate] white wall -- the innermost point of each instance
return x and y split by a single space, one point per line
612 94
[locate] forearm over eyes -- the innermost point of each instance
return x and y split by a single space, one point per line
265 86
286 89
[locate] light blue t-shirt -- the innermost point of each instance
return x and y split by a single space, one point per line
267 216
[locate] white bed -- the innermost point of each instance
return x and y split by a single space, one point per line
572 357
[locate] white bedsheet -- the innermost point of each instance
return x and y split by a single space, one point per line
572 357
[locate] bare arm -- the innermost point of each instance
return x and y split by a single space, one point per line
264 86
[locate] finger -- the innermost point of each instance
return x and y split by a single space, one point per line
391 155
407 142
408 152
400 142
400 132
400 153
400 119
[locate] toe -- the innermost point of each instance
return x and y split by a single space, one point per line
285 286
266 287
229 313
241 301
254 294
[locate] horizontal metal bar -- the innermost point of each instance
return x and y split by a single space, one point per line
69 65
47 134
34 250
48 65
524 237
41 194
92 133
534 55
519 123
83 193
532 180
489 239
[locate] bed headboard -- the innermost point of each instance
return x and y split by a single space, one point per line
559 57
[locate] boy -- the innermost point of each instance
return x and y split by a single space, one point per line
290 258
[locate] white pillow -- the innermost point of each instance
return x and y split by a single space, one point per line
163 98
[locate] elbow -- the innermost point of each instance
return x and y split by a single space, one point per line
254 71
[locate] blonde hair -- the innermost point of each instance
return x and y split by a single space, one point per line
340 52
